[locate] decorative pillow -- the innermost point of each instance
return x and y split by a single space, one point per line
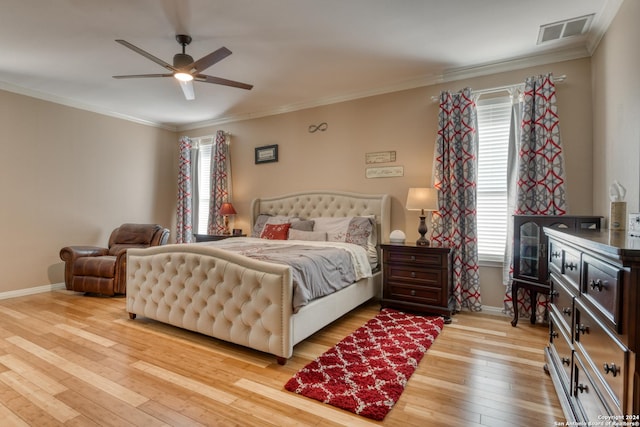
359 230
258 226
303 225
317 236
264 219
275 231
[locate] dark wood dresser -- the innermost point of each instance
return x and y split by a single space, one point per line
417 278
594 335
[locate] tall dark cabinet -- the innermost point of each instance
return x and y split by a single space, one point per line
530 248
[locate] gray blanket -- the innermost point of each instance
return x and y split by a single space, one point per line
316 271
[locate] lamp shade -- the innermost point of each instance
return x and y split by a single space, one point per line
227 209
422 199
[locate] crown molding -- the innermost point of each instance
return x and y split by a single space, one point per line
601 24
450 75
80 106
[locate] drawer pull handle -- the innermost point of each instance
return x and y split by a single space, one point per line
556 254
612 369
413 274
596 285
582 388
571 266
553 334
566 361
413 292
554 294
566 311
413 257
582 329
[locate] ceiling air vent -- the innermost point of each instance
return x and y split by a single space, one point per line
564 29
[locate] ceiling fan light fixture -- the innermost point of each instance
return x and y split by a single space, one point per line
183 77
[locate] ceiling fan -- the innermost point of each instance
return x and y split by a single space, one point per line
185 69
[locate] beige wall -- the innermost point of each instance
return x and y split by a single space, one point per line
70 177
405 122
616 109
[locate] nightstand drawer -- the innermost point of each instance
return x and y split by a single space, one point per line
419 276
402 256
416 294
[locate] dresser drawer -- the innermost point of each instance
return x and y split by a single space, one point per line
401 255
603 352
561 301
585 391
571 267
417 294
417 275
601 286
555 257
561 349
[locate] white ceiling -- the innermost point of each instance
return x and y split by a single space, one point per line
296 53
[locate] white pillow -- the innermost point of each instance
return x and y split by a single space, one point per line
317 236
360 230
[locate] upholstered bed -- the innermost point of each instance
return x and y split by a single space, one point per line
243 300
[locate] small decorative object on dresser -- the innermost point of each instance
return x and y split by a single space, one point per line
417 278
397 236
594 338
422 199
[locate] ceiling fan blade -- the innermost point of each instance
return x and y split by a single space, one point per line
210 59
187 89
141 76
220 81
146 55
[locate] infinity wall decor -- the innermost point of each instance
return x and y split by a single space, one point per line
321 127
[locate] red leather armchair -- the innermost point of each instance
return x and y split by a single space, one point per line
98 270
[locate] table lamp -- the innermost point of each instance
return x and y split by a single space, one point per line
422 199
227 209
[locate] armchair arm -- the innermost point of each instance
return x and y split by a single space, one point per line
70 253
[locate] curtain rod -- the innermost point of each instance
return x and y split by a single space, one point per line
558 79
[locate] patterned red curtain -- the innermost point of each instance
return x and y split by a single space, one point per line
455 172
220 182
184 231
540 187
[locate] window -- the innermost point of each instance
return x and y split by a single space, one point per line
494 117
203 193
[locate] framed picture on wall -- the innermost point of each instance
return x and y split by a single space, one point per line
267 154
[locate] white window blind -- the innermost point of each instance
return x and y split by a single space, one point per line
205 151
494 116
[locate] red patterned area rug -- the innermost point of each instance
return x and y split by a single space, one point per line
367 371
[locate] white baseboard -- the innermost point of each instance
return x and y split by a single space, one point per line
32 291
496 311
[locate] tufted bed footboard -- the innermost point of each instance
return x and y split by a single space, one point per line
243 300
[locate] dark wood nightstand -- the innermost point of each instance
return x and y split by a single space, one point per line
213 237
417 278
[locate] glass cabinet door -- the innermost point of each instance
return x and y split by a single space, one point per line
530 235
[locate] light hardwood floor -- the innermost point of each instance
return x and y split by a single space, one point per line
68 359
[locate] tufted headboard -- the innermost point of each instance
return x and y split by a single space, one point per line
311 204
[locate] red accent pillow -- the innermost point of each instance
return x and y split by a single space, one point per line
275 231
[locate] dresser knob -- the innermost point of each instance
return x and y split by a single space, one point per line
413 257
566 311
413 274
413 292
566 361
556 254
596 285
582 329
611 369
553 334
582 388
571 266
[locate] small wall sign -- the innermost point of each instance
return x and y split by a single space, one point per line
380 157
266 154
385 172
